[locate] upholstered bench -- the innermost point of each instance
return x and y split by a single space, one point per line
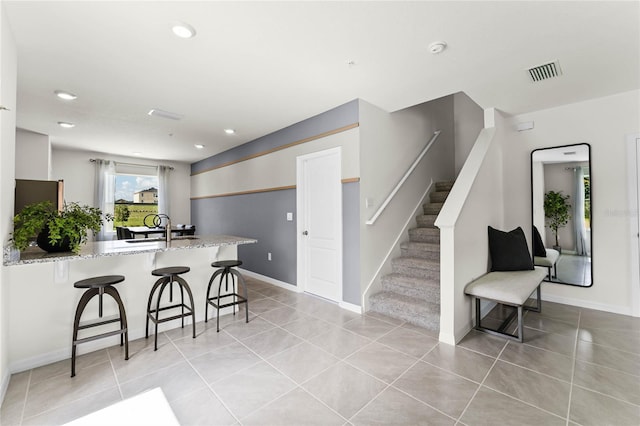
549 261
511 288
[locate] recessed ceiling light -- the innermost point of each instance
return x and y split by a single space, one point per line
183 30
137 153
199 146
65 95
229 131
437 47
65 124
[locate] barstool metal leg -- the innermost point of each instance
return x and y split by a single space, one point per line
164 284
206 302
151 293
183 284
86 297
113 292
244 291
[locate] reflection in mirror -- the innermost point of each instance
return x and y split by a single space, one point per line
561 204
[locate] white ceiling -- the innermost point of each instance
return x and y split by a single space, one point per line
261 66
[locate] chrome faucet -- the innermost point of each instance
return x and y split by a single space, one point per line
168 231
158 220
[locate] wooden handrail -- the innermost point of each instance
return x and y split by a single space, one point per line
404 178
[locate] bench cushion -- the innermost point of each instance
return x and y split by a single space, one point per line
549 260
511 287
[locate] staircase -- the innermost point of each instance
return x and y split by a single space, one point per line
412 291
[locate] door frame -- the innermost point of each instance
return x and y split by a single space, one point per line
301 219
633 151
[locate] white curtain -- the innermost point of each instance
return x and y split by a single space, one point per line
163 190
105 194
578 212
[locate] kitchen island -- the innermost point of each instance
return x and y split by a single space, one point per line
42 299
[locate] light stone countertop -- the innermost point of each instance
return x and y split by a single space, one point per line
123 247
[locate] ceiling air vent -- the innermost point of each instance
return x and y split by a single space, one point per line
545 72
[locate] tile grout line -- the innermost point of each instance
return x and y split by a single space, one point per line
115 374
26 395
391 385
297 386
495 361
207 385
573 368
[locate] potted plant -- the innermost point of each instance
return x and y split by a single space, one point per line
556 210
56 231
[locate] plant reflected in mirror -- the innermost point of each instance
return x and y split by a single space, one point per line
561 212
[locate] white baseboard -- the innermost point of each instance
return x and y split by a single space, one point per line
4 384
623 310
270 280
350 307
62 354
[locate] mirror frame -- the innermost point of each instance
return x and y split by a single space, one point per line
590 209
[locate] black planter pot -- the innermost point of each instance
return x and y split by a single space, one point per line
44 244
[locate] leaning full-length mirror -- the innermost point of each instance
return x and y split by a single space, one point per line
561 204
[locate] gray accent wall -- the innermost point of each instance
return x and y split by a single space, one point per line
261 216
335 118
351 242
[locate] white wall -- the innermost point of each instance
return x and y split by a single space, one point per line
468 120
389 143
604 124
78 173
33 155
8 84
475 202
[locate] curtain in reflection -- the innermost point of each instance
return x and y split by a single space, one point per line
105 194
578 212
163 190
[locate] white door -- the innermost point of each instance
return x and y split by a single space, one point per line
319 205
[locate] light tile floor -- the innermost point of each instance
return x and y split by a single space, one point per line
301 360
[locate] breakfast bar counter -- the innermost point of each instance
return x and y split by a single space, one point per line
42 298
125 247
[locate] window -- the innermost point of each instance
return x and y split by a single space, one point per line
135 197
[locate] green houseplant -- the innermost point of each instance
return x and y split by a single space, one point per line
63 230
556 210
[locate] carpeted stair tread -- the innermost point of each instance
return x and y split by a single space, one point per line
426 220
438 196
426 289
414 311
432 208
416 267
424 250
424 235
444 186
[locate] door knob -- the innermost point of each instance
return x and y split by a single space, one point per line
305 232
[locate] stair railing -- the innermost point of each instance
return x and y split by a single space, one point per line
404 178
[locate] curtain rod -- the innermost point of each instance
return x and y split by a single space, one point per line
93 160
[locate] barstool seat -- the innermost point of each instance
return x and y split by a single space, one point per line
224 272
98 286
168 276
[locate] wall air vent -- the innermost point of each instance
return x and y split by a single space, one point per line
165 114
545 72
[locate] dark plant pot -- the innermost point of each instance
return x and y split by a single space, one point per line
44 244
558 248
